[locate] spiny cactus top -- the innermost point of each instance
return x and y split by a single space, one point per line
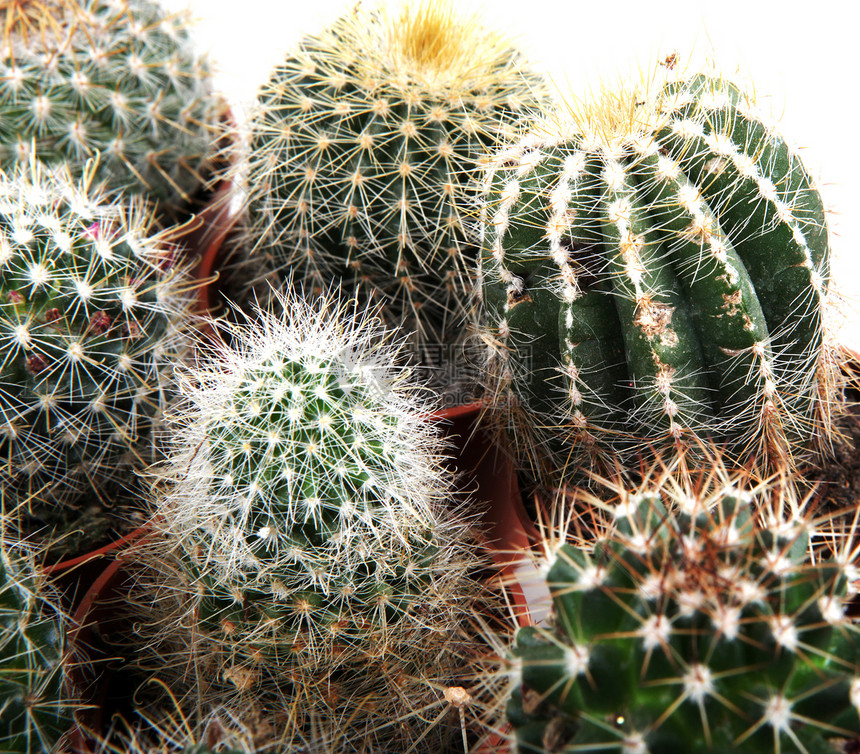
657 273
698 622
362 147
35 710
305 492
117 77
90 309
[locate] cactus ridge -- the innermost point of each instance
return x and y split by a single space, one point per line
35 710
115 79
362 148
698 621
662 280
305 491
90 309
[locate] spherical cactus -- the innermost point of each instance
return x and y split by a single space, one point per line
90 310
656 274
114 78
305 495
362 147
35 708
698 622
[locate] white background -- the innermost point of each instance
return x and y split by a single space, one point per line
803 57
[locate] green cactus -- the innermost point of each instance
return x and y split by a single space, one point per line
699 621
656 274
362 146
307 502
35 708
90 310
118 79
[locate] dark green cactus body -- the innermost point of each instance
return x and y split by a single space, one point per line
88 316
696 624
34 707
117 79
362 148
663 285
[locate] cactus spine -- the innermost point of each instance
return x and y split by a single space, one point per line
658 275
35 710
115 78
699 621
90 309
362 148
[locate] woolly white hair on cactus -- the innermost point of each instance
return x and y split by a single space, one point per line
306 489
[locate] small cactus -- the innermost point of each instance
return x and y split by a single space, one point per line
35 708
656 273
362 147
306 507
90 309
698 621
118 78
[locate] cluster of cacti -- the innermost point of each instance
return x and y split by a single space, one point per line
36 708
90 311
115 79
362 150
654 272
694 618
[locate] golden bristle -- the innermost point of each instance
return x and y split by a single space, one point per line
41 19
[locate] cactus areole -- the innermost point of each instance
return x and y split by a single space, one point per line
658 273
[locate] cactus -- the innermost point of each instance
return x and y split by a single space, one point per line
35 710
306 507
362 146
90 309
698 621
656 273
115 78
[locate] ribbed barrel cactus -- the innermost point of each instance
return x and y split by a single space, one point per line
35 704
306 497
361 152
118 79
655 273
699 621
91 308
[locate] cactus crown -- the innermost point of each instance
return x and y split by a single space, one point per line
655 272
361 149
699 621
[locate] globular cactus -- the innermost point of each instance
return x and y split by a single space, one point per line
698 621
655 273
114 78
91 307
306 501
36 708
362 148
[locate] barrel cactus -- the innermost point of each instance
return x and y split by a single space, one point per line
118 79
654 273
35 704
91 307
361 152
306 500
699 621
